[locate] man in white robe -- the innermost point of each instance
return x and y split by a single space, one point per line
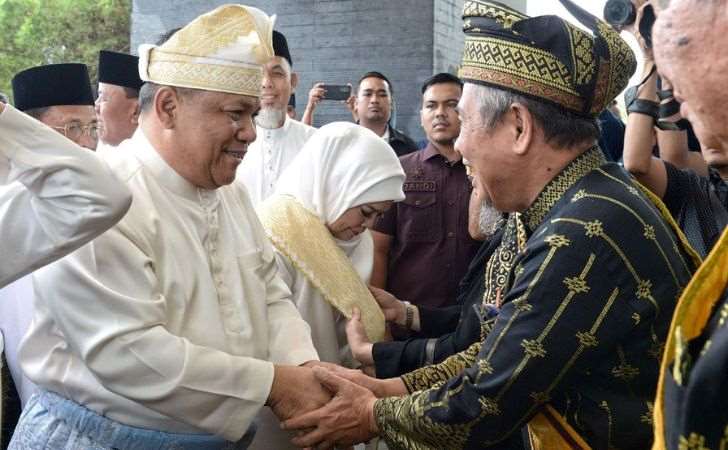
280 137
54 197
173 329
117 103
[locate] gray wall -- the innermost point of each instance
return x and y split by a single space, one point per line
336 41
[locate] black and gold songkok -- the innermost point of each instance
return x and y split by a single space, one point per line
545 57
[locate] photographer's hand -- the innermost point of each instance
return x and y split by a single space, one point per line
315 95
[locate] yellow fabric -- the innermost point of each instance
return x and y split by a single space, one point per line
302 238
222 51
549 431
690 318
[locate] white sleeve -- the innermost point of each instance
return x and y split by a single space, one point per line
114 318
54 195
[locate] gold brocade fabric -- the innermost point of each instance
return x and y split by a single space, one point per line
545 57
692 314
300 236
223 50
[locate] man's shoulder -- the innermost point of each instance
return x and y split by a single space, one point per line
301 128
410 160
400 142
122 161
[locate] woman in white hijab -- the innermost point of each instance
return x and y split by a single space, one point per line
342 180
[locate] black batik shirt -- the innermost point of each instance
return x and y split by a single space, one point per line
582 327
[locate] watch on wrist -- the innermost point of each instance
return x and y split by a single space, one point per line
409 315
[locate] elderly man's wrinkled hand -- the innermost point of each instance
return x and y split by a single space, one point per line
346 420
296 391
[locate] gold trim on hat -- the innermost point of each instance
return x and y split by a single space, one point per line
520 68
501 14
210 77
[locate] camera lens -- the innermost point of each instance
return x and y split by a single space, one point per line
619 13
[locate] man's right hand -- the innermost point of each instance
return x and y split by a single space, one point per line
394 309
295 391
315 95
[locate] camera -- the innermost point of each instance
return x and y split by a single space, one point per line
621 13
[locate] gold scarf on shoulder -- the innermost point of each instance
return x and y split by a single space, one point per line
691 316
303 239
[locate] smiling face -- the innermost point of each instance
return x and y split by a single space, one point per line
212 131
439 115
278 83
355 220
488 151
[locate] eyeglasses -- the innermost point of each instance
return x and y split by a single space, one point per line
74 131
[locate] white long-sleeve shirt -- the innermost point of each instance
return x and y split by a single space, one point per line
172 319
269 155
54 195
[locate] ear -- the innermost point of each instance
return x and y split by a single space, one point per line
523 128
166 106
135 113
294 81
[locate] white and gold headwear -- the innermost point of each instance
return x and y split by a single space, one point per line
223 50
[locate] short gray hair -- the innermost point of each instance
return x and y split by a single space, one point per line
149 90
560 128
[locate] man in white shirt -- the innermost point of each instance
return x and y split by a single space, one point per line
280 138
173 329
117 105
54 197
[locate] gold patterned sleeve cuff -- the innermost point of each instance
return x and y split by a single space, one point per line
428 376
396 423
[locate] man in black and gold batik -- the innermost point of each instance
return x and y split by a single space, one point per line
574 353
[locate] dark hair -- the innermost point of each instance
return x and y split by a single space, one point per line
441 78
560 127
37 113
375 74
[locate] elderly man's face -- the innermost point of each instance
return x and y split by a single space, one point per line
77 122
213 131
689 44
118 114
487 151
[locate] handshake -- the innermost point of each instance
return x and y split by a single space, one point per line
328 405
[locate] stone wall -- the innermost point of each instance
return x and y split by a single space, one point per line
336 41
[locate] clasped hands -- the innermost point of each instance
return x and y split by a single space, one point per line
328 405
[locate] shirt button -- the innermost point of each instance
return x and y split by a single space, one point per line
450 202
417 202
450 234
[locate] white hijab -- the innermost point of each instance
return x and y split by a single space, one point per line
342 166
